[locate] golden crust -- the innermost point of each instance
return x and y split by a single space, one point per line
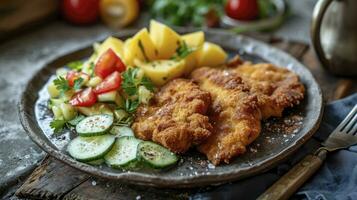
234 114
276 88
176 116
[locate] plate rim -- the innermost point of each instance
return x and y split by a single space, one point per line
157 181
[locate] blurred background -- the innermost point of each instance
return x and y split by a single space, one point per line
288 19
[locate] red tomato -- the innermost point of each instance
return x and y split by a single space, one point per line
110 83
242 9
81 11
84 98
73 75
108 63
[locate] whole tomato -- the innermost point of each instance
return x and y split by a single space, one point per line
242 9
80 11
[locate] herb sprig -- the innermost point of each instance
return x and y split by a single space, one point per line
76 65
61 85
182 51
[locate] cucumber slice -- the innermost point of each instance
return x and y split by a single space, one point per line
123 153
155 156
120 131
94 125
96 162
90 148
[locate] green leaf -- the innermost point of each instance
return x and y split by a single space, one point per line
76 65
129 83
57 125
145 81
78 83
61 85
131 105
182 51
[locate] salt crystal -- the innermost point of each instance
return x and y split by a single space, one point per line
211 166
94 183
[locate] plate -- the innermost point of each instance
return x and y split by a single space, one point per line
280 137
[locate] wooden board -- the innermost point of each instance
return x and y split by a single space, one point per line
55 180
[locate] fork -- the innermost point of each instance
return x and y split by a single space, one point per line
343 136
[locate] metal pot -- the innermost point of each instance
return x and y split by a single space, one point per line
334 35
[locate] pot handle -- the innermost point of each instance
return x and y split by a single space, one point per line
317 16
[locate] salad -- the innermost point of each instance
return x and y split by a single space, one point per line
97 97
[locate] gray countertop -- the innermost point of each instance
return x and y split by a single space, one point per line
22 56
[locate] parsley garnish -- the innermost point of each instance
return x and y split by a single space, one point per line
182 51
78 83
131 105
76 65
61 85
57 125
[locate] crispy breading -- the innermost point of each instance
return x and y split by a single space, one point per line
276 88
234 114
175 118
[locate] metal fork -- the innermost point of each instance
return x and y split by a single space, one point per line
343 136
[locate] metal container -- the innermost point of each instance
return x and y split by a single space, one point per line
334 35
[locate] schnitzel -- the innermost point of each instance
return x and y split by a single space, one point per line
234 114
276 88
175 118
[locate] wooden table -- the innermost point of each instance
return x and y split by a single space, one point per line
55 180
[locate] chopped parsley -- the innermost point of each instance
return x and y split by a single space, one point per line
131 105
76 65
182 51
78 83
57 125
61 85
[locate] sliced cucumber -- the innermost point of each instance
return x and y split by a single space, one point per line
155 156
76 120
120 114
68 111
120 131
112 96
96 162
90 148
123 153
94 125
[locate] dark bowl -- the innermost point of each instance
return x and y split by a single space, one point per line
279 139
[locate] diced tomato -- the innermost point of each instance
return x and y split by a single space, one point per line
110 83
84 98
242 9
108 63
73 75
81 11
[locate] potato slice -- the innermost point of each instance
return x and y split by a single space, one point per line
190 62
164 38
115 44
161 71
211 55
195 39
141 47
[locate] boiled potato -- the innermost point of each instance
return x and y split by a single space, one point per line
195 39
141 47
115 44
164 38
190 62
161 71
211 55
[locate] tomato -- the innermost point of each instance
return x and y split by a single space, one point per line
242 9
73 75
107 63
84 98
80 11
110 83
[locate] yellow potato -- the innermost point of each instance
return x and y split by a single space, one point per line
190 62
195 39
211 55
161 71
115 44
165 39
141 47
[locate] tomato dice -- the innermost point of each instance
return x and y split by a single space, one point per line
84 98
108 63
73 75
110 83
242 9
81 11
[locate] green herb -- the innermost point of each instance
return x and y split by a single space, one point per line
57 125
130 82
91 68
76 120
145 81
182 51
78 83
131 105
76 65
61 85
141 46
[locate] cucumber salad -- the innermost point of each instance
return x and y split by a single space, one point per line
96 99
